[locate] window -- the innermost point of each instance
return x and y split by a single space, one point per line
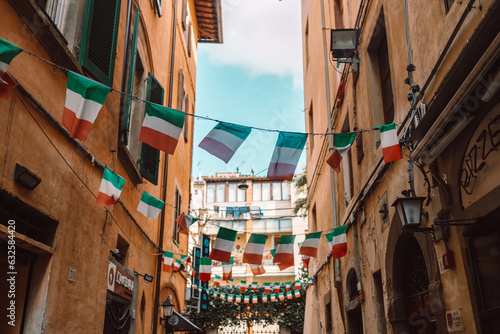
221 193
257 192
178 203
277 191
211 193
55 9
98 45
150 157
379 54
266 191
242 195
232 192
285 188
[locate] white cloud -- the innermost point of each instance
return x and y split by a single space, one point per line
262 36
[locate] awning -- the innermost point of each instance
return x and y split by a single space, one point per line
181 324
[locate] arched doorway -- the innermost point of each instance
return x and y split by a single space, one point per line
411 288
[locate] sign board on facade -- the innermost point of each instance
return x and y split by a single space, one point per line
120 282
479 174
454 320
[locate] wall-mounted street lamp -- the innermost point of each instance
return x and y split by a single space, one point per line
409 210
169 318
343 46
148 278
25 177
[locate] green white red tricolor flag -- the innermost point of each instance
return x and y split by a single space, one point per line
110 189
310 244
205 269
288 286
342 143
297 293
254 286
184 221
223 245
185 259
150 206
284 251
264 298
254 249
230 298
390 143
168 258
177 265
286 155
224 139
8 51
305 260
238 298
255 299
273 298
162 127
267 287
246 299
84 100
227 270
217 280
297 285
310 280
338 241
243 285
230 280
281 296
289 295
276 287
223 296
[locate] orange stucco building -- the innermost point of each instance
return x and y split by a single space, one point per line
79 267
437 77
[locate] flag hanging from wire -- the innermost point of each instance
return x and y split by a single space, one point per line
286 155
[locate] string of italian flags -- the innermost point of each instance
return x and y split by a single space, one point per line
272 292
162 126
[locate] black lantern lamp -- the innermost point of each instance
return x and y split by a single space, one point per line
168 309
409 210
243 185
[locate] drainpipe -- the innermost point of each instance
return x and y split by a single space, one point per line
165 175
330 137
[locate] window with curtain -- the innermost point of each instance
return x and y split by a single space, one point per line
211 193
221 195
232 192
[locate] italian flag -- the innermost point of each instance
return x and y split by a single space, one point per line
8 52
297 285
110 189
223 245
230 298
227 270
215 294
297 293
246 299
230 280
390 143
286 155
224 139
342 143
84 100
338 241
243 286
150 206
310 244
254 286
264 298
267 287
288 286
205 269
168 258
185 259
255 299
254 249
162 127
310 281
238 298
222 296
177 265
185 221
281 296
276 287
217 280
257 269
284 251
289 295
273 298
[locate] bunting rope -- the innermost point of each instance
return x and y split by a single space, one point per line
135 98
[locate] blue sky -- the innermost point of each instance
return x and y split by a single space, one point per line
252 81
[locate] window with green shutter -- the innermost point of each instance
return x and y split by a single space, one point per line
98 44
150 157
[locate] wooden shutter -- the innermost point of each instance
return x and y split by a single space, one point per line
150 157
98 44
131 75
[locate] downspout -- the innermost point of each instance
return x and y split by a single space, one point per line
165 175
330 136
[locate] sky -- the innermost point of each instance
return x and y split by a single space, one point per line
253 79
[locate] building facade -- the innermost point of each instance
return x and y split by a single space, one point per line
79 267
439 278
